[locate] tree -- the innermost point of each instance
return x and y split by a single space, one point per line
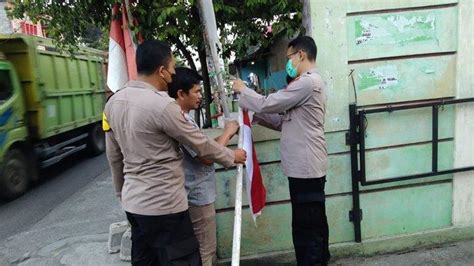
242 23
68 23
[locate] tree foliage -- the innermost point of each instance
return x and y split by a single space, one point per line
68 23
242 23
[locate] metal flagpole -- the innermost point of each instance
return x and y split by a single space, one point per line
212 41
206 10
238 201
130 23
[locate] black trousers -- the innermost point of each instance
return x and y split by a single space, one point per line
309 221
163 240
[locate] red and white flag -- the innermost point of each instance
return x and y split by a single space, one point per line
121 66
256 192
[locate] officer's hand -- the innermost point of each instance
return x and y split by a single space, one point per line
240 156
231 127
238 86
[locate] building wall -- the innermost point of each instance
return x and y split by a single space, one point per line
398 50
25 26
271 69
277 62
257 67
463 183
5 25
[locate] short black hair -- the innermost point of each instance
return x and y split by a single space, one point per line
151 55
306 44
184 79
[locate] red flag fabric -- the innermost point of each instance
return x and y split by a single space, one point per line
256 191
121 65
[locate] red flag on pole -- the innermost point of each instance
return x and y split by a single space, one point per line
121 65
256 192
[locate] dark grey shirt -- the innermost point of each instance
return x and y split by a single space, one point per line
200 179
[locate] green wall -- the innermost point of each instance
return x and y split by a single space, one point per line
398 51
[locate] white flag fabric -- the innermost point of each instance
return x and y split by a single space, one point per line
121 65
256 191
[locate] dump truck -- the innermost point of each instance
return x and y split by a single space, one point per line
51 105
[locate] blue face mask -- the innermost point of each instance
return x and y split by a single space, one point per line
291 70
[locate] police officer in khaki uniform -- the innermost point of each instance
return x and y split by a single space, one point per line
144 127
298 112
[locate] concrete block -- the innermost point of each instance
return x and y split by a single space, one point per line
126 246
116 230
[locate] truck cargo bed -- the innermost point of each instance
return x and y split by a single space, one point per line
61 92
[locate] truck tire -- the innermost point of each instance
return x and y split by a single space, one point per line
15 174
96 140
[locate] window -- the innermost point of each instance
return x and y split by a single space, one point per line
6 89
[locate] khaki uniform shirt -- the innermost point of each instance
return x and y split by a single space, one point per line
146 127
298 111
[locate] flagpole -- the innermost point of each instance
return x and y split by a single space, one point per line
130 22
208 18
206 10
238 201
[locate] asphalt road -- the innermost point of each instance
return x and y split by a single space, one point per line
57 184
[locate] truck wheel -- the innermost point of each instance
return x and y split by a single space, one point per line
14 178
96 140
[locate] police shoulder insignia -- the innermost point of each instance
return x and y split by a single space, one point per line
105 123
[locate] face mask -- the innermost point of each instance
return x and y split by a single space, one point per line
291 70
171 76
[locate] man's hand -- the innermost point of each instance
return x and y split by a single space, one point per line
240 156
231 127
238 86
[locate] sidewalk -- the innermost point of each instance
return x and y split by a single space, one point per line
76 233
460 253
